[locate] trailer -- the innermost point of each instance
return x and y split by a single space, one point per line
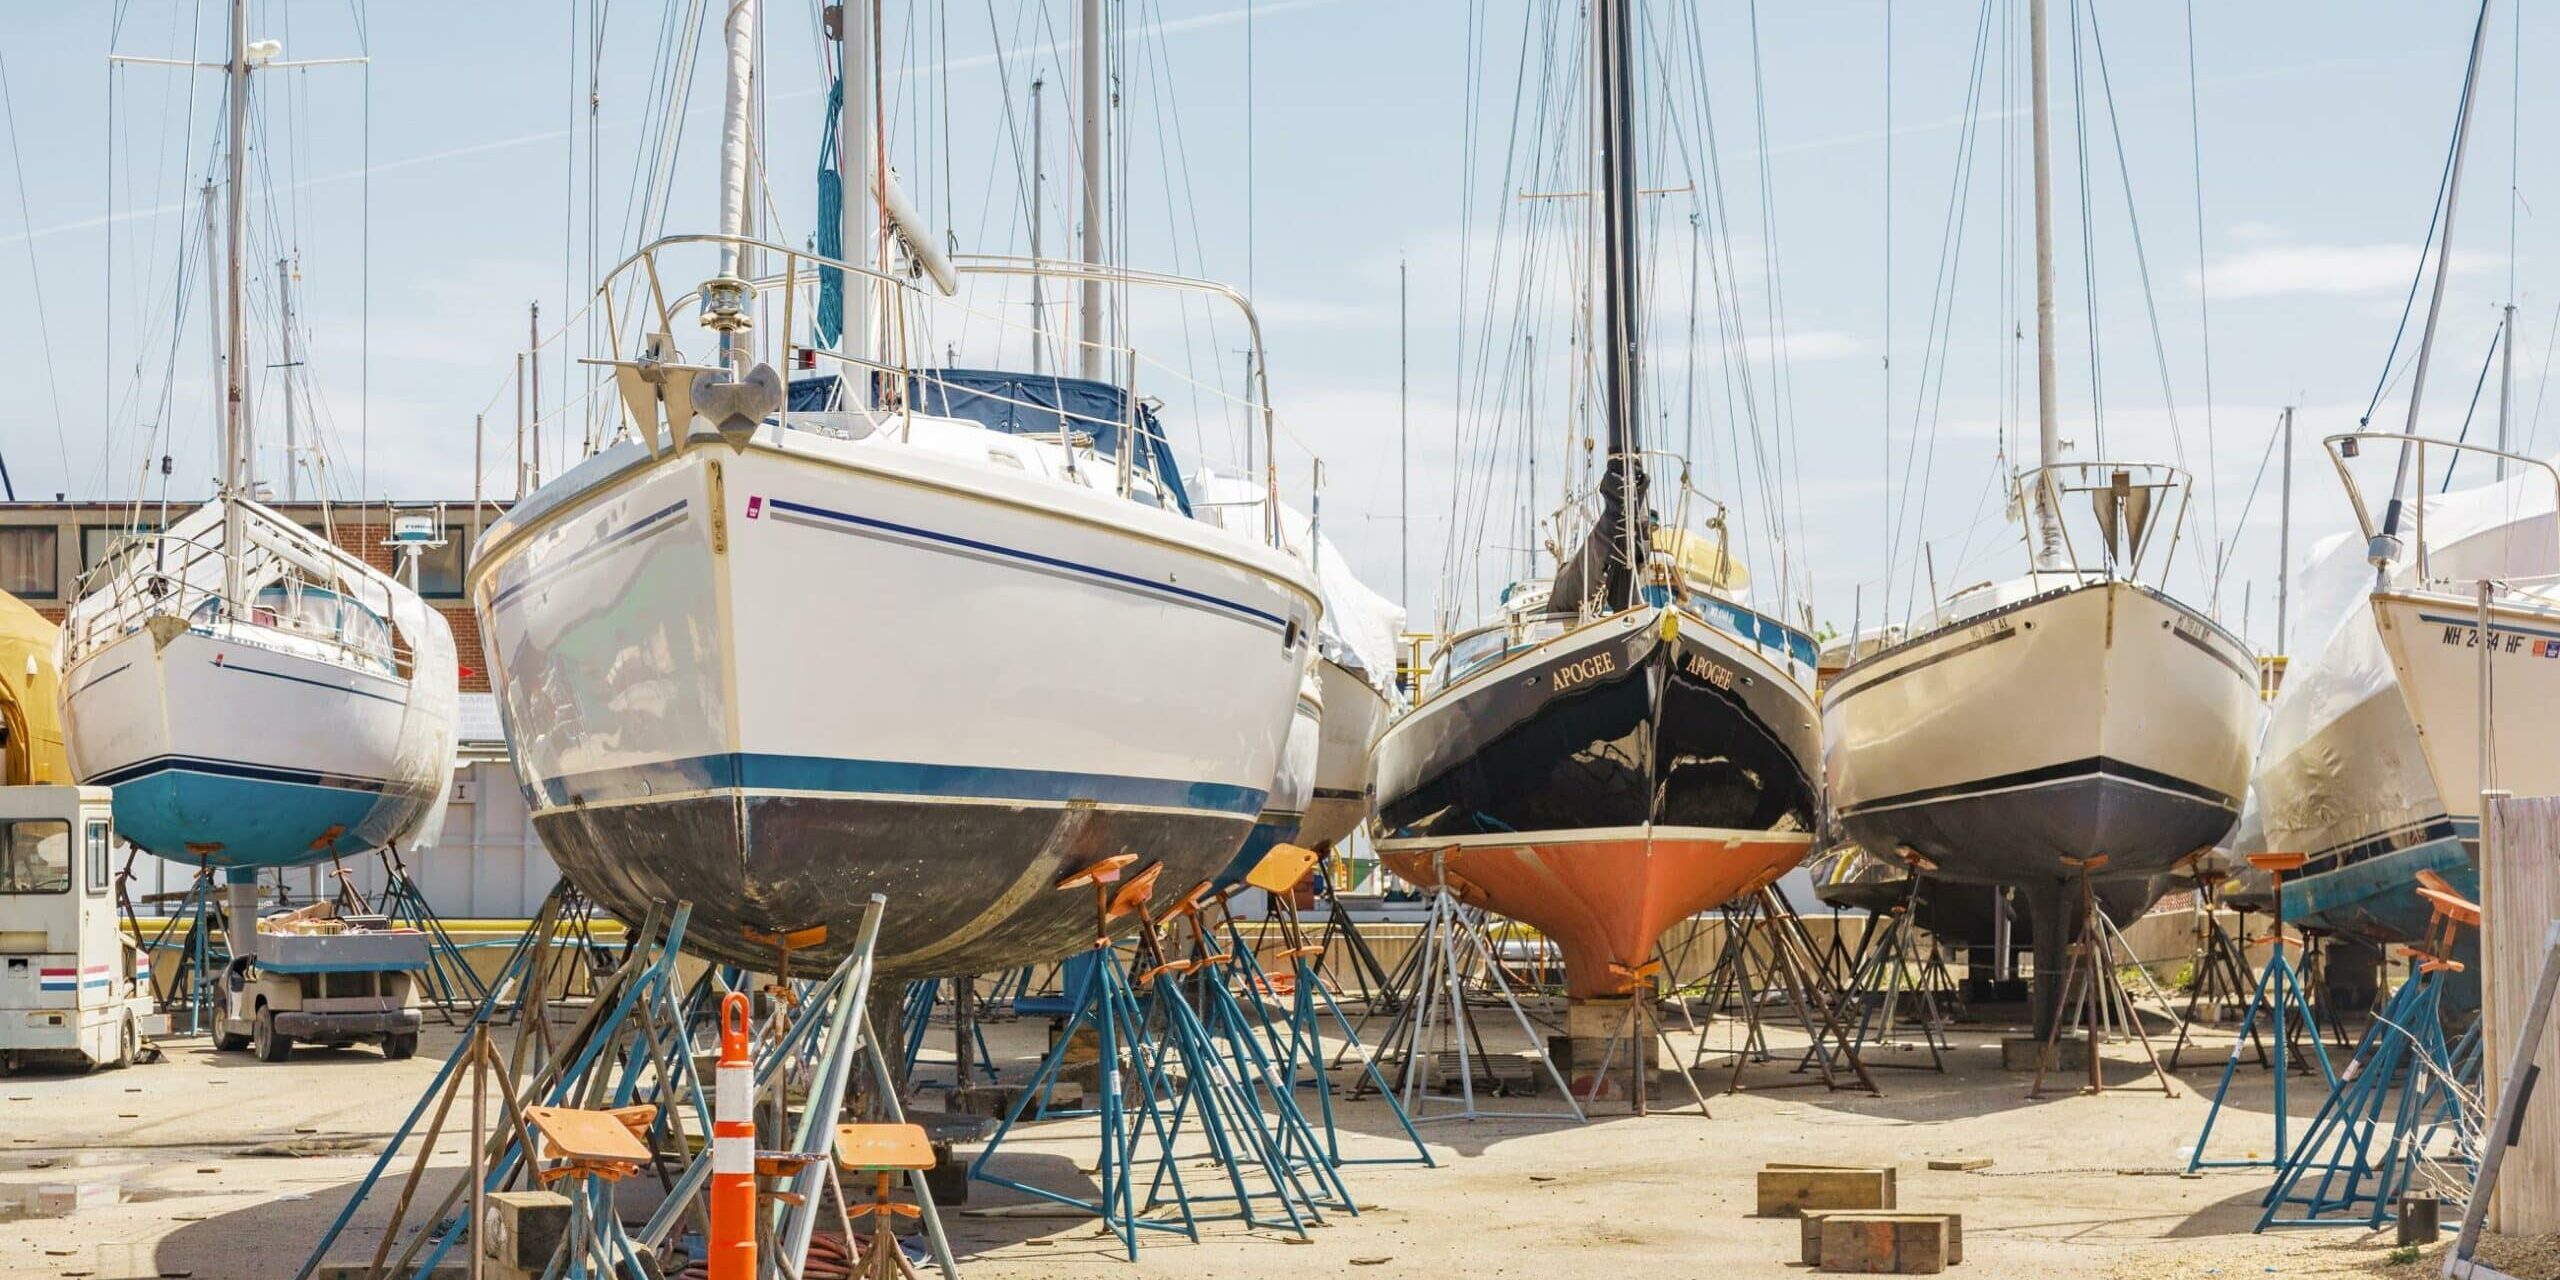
73 987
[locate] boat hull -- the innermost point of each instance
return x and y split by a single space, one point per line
772 682
1355 713
2097 720
2352 790
1284 810
1605 784
239 755
2434 643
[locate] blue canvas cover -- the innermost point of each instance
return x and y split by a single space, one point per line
1021 404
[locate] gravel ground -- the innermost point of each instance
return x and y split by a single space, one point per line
213 1165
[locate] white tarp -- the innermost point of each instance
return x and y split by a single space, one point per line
2320 787
1357 621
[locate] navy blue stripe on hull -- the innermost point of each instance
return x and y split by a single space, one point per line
2021 836
757 771
779 863
846 521
141 769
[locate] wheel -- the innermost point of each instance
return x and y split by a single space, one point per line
400 1047
128 1043
272 1045
230 1042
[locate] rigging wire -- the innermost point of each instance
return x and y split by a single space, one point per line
35 277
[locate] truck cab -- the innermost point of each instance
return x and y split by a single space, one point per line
73 986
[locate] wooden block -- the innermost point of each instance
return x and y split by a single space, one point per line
1811 1242
1966 1164
1910 1244
2019 1053
1786 1190
525 1228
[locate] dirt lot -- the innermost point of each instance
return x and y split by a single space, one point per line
213 1165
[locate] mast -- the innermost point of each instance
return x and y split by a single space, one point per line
1089 185
1622 509
2385 546
235 431
857 218
292 433
213 316
2048 429
2284 535
1039 185
738 35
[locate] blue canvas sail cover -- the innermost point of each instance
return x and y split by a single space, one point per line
1024 404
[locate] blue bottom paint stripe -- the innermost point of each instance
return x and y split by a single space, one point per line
756 771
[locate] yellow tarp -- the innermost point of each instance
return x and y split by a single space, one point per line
30 697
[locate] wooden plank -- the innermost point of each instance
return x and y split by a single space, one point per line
2519 900
1786 1190
1810 1241
1914 1244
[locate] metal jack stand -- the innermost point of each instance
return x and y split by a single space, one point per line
968 1038
1769 951
1376 987
1641 1025
1882 977
2280 996
450 984
188 994
1248 1089
1451 946
1109 1005
2358 1179
1310 1002
2222 969
2093 996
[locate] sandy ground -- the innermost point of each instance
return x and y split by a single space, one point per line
213 1165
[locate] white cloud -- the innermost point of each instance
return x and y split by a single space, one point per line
2288 270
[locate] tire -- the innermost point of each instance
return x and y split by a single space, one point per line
401 1047
128 1043
272 1045
229 1043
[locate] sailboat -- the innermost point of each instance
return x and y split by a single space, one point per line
935 633
2029 728
1627 744
2376 755
257 696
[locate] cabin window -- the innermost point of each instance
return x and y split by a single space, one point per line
97 842
28 566
35 857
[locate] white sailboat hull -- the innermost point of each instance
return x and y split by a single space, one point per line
237 754
2093 720
1355 713
772 682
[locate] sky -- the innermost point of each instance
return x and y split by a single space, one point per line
1309 152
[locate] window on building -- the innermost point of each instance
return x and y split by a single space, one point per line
440 568
35 857
28 566
97 540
